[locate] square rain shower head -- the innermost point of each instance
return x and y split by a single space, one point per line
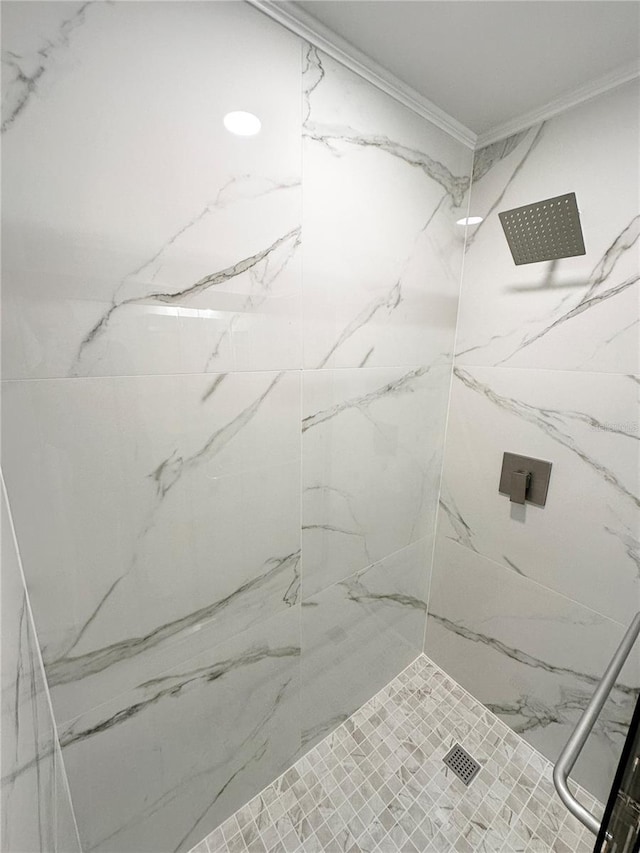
545 231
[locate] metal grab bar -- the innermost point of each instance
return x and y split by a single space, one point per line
572 750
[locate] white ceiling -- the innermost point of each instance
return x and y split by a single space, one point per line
487 62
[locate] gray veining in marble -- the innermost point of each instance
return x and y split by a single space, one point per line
485 158
23 73
403 384
36 810
175 756
576 313
69 668
359 632
533 657
371 463
199 268
595 293
495 153
155 315
291 240
181 492
527 604
331 136
585 543
553 423
355 296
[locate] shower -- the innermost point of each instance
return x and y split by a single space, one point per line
317 504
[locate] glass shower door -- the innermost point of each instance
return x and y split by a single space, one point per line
620 830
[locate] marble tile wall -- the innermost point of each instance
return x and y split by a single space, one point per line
527 604
36 812
381 274
226 364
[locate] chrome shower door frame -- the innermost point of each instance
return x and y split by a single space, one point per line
576 742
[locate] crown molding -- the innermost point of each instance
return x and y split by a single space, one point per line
614 78
307 27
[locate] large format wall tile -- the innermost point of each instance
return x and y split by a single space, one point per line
372 451
532 656
578 313
143 237
36 811
528 603
149 507
168 761
152 295
382 253
358 633
585 543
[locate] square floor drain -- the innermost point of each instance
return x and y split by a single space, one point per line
465 768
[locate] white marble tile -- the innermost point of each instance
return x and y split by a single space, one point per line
372 449
168 761
358 633
149 507
67 839
148 239
585 543
532 656
28 733
36 814
578 313
382 254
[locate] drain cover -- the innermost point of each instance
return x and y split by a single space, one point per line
462 764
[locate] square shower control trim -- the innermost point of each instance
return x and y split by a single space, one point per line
524 479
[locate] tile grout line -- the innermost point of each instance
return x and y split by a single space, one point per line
436 520
58 757
526 578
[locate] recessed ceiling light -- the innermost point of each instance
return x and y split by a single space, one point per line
242 123
470 220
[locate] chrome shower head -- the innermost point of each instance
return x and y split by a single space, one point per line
545 231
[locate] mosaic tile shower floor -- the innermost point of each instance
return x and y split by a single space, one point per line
378 783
